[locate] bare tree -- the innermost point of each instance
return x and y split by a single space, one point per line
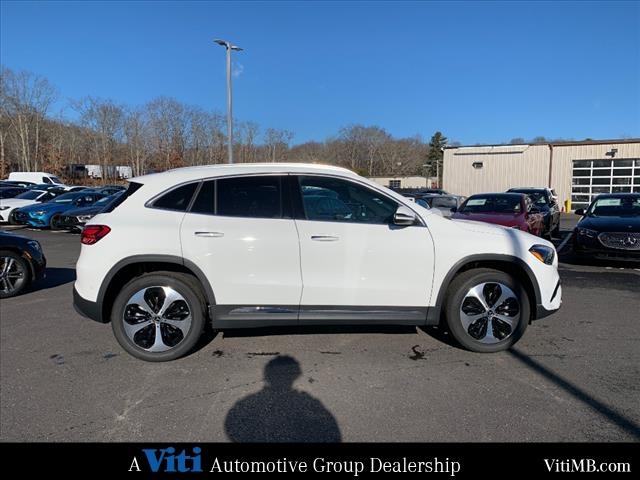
25 100
106 120
277 142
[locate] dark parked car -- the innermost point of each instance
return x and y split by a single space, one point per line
108 189
10 192
610 227
21 263
15 183
75 219
508 209
544 201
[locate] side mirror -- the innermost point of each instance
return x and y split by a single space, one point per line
404 216
580 212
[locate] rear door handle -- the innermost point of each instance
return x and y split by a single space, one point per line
324 238
209 234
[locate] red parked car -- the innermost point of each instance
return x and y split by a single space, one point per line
508 209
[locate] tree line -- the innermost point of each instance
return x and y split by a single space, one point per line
165 133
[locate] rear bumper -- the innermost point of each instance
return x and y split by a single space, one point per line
87 308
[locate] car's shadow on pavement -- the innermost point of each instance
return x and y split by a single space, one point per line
279 412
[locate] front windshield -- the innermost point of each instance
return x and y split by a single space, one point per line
30 195
615 207
492 204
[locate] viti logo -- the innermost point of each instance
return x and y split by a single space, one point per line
166 460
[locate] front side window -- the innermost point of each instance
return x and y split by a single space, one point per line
253 197
177 199
336 200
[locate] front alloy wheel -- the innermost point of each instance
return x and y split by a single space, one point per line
487 310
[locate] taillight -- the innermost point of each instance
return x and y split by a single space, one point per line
92 233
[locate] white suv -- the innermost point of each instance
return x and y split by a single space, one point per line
251 245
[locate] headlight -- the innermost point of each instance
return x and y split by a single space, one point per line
39 212
84 218
543 253
586 232
35 245
4 208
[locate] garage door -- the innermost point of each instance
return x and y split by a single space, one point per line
592 177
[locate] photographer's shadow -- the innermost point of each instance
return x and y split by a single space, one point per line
279 413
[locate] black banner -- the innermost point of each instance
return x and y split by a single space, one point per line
348 460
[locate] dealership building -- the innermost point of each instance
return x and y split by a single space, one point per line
577 171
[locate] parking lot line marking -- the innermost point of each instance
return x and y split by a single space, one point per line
564 242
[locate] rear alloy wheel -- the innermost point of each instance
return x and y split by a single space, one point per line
158 317
14 274
487 310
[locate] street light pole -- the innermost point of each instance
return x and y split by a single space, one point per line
229 47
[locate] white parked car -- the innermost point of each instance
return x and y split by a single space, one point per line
30 197
250 245
35 177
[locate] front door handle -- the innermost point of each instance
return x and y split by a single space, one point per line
209 234
324 238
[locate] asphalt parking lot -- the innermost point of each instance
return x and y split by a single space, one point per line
573 377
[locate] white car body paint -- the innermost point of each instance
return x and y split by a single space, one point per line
276 262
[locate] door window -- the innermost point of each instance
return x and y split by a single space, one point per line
253 197
205 201
335 200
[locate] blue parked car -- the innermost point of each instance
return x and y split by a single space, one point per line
45 215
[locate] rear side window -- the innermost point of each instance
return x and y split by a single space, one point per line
254 197
177 199
205 200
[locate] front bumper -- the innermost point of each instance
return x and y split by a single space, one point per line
591 247
555 303
24 218
87 308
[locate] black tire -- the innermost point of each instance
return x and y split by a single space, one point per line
19 264
12 218
53 222
456 294
183 284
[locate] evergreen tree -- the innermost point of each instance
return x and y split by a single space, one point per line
437 143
